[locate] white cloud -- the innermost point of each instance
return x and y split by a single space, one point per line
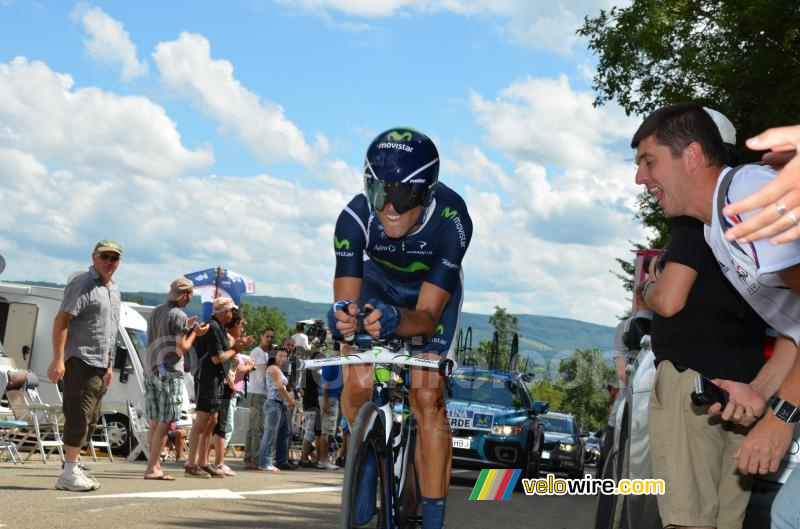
186 66
274 230
547 231
544 24
546 120
88 130
109 42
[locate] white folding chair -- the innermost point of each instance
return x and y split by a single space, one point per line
36 423
139 429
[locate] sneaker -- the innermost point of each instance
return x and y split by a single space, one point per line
287 466
76 482
225 469
269 468
364 505
213 471
326 465
308 464
194 471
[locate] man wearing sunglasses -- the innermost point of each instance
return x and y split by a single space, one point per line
84 334
414 231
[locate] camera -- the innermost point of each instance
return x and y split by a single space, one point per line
316 332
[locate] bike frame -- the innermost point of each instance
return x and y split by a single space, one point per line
398 447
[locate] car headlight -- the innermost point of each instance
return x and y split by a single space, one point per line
566 447
506 429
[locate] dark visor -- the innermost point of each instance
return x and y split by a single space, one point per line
404 196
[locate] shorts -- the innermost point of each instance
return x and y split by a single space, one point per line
312 422
227 410
163 397
694 455
329 417
377 284
209 394
84 387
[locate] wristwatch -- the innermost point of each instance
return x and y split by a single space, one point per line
784 410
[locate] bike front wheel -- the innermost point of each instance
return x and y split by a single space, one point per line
366 440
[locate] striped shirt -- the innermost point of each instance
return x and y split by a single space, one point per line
92 333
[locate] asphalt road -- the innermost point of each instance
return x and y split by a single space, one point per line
302 499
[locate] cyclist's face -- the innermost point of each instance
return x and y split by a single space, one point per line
396 225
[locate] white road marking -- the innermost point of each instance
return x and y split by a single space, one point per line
173 494
291 491
203 494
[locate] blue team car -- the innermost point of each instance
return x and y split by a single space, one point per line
494 421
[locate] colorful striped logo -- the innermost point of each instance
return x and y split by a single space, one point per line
495 484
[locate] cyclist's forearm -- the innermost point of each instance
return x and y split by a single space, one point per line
416 323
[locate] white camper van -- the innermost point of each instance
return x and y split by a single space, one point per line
26 323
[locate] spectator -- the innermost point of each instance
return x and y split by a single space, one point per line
300 341
290 366
276 418
330 390
626 331
256 394
213 349
84 334
234 368
775 208
701 325
312 418
681 158
169 336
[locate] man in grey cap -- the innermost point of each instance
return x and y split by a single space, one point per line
84 334
170 334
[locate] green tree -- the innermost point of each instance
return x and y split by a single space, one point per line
584 378
741 57
257 318
548 391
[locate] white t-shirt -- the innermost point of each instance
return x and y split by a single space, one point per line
752 267
257 382
300 340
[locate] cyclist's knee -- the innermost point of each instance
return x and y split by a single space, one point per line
429 399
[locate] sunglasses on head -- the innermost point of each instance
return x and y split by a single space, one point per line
109 257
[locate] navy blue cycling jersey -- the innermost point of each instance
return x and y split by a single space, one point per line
433 253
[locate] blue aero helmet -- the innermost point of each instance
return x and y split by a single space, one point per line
401 167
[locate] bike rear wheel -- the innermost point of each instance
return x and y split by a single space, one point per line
367 437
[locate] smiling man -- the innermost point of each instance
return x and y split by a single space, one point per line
680 153
414 231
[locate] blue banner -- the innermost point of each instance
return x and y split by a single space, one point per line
220 282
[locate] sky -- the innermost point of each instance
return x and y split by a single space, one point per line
200 134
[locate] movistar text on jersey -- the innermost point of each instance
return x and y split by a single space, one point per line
392 145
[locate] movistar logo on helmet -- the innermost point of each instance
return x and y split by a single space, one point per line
396 136
449 213
439 329
344 243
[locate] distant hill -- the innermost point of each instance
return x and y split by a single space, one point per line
543 334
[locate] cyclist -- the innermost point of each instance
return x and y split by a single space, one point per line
415 232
